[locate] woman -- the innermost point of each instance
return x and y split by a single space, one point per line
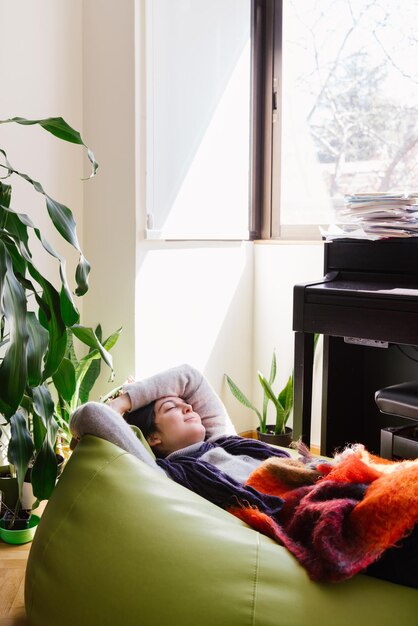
193 441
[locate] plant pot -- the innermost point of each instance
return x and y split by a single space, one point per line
20 536
249 434
284 440
10 490
21 521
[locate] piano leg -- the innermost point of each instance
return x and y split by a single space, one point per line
302 406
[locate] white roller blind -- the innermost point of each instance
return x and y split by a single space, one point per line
198 119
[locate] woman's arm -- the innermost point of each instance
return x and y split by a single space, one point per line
187 383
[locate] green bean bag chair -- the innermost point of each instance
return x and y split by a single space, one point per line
119 543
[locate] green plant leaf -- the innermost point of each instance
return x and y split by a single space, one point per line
273 370
51 307
17 225
20 448
280 412
63 220
3 272
6 165
5 195
17 229
286 400
99 332
88 380
237 393
286 394
37 347
13 369
58 127
38 429
89 337
44 471
65 380
17 254
43 403
112 339
69 313
81 275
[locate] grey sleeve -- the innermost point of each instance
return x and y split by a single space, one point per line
187 383
95 418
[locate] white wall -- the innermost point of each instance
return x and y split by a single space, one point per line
109 202
278 266
195 305
40 76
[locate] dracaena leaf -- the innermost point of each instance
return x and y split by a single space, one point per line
89 337
58 127
19 222
13 369
88 381
112 339
44 471
65 380
5 194
89 376
63 220
52 319
43 402
20 448
37 347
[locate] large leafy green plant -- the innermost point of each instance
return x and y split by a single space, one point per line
36 319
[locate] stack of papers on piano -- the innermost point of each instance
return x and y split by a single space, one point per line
376 216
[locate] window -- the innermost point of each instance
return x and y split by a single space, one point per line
275 109
347 79
198 118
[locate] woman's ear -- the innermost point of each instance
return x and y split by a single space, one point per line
154 439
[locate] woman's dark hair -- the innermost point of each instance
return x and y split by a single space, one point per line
143 418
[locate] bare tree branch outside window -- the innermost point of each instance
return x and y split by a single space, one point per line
354 70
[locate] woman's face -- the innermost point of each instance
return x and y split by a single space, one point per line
177 425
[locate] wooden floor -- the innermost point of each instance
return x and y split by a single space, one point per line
12 579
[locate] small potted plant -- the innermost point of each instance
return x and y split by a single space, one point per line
278 433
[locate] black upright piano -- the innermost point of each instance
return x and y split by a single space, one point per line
366 308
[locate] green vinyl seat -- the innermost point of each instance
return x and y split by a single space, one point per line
119 543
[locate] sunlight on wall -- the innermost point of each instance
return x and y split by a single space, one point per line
277 269
192 303
215 180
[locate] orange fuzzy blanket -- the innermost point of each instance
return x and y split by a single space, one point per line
337 517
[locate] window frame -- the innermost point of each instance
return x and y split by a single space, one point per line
267 94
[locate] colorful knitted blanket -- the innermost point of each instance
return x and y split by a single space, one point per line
336 517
